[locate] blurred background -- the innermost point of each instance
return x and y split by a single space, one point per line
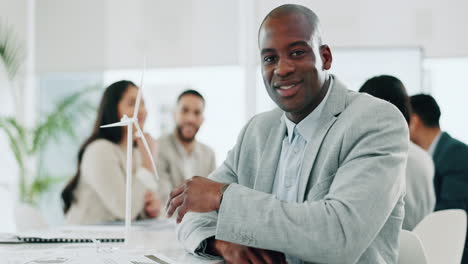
59 55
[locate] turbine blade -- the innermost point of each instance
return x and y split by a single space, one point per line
138 99
122 123
140 132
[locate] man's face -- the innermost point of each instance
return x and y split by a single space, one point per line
293 66
189 117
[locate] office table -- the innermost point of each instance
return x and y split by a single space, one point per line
151 242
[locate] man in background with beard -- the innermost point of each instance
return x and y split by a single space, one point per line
179 155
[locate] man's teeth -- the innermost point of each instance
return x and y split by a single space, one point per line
287 87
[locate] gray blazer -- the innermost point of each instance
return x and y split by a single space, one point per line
351 186
169 163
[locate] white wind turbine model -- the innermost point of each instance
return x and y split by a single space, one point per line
129 122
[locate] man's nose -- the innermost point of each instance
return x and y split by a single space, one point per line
284 68
191 117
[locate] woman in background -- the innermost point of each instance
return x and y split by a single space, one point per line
97 192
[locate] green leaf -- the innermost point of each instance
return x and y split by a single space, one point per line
15 142
41 184
20 131
60 122
11 52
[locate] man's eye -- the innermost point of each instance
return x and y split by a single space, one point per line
297 53
269 59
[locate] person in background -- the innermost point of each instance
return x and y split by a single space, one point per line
97 191
420 197
320 179
449 154
180 155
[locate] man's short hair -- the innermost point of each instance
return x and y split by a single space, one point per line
288 9
190 92
426 107
390 89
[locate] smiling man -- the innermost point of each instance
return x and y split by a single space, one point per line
179 155
319 180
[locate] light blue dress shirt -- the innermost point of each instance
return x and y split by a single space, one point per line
285 186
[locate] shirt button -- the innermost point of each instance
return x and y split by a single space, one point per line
296 150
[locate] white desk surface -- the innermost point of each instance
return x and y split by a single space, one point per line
156 237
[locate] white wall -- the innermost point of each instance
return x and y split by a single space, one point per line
434 25
70 35
91 35
176 33
13 12
446 82
355 66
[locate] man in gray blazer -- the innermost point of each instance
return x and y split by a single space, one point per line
320 180
179 155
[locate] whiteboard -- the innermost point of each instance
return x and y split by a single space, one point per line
354 66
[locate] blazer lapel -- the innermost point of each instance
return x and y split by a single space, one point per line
177 175
333 107
266 172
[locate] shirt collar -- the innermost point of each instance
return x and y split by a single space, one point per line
306 127
434 143
290 127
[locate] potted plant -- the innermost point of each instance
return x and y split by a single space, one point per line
27 142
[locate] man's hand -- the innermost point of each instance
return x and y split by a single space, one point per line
152 204
234 253
197 194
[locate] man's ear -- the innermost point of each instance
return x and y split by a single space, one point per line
326 56
415 120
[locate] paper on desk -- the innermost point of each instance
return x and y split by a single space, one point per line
160 243
79 254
